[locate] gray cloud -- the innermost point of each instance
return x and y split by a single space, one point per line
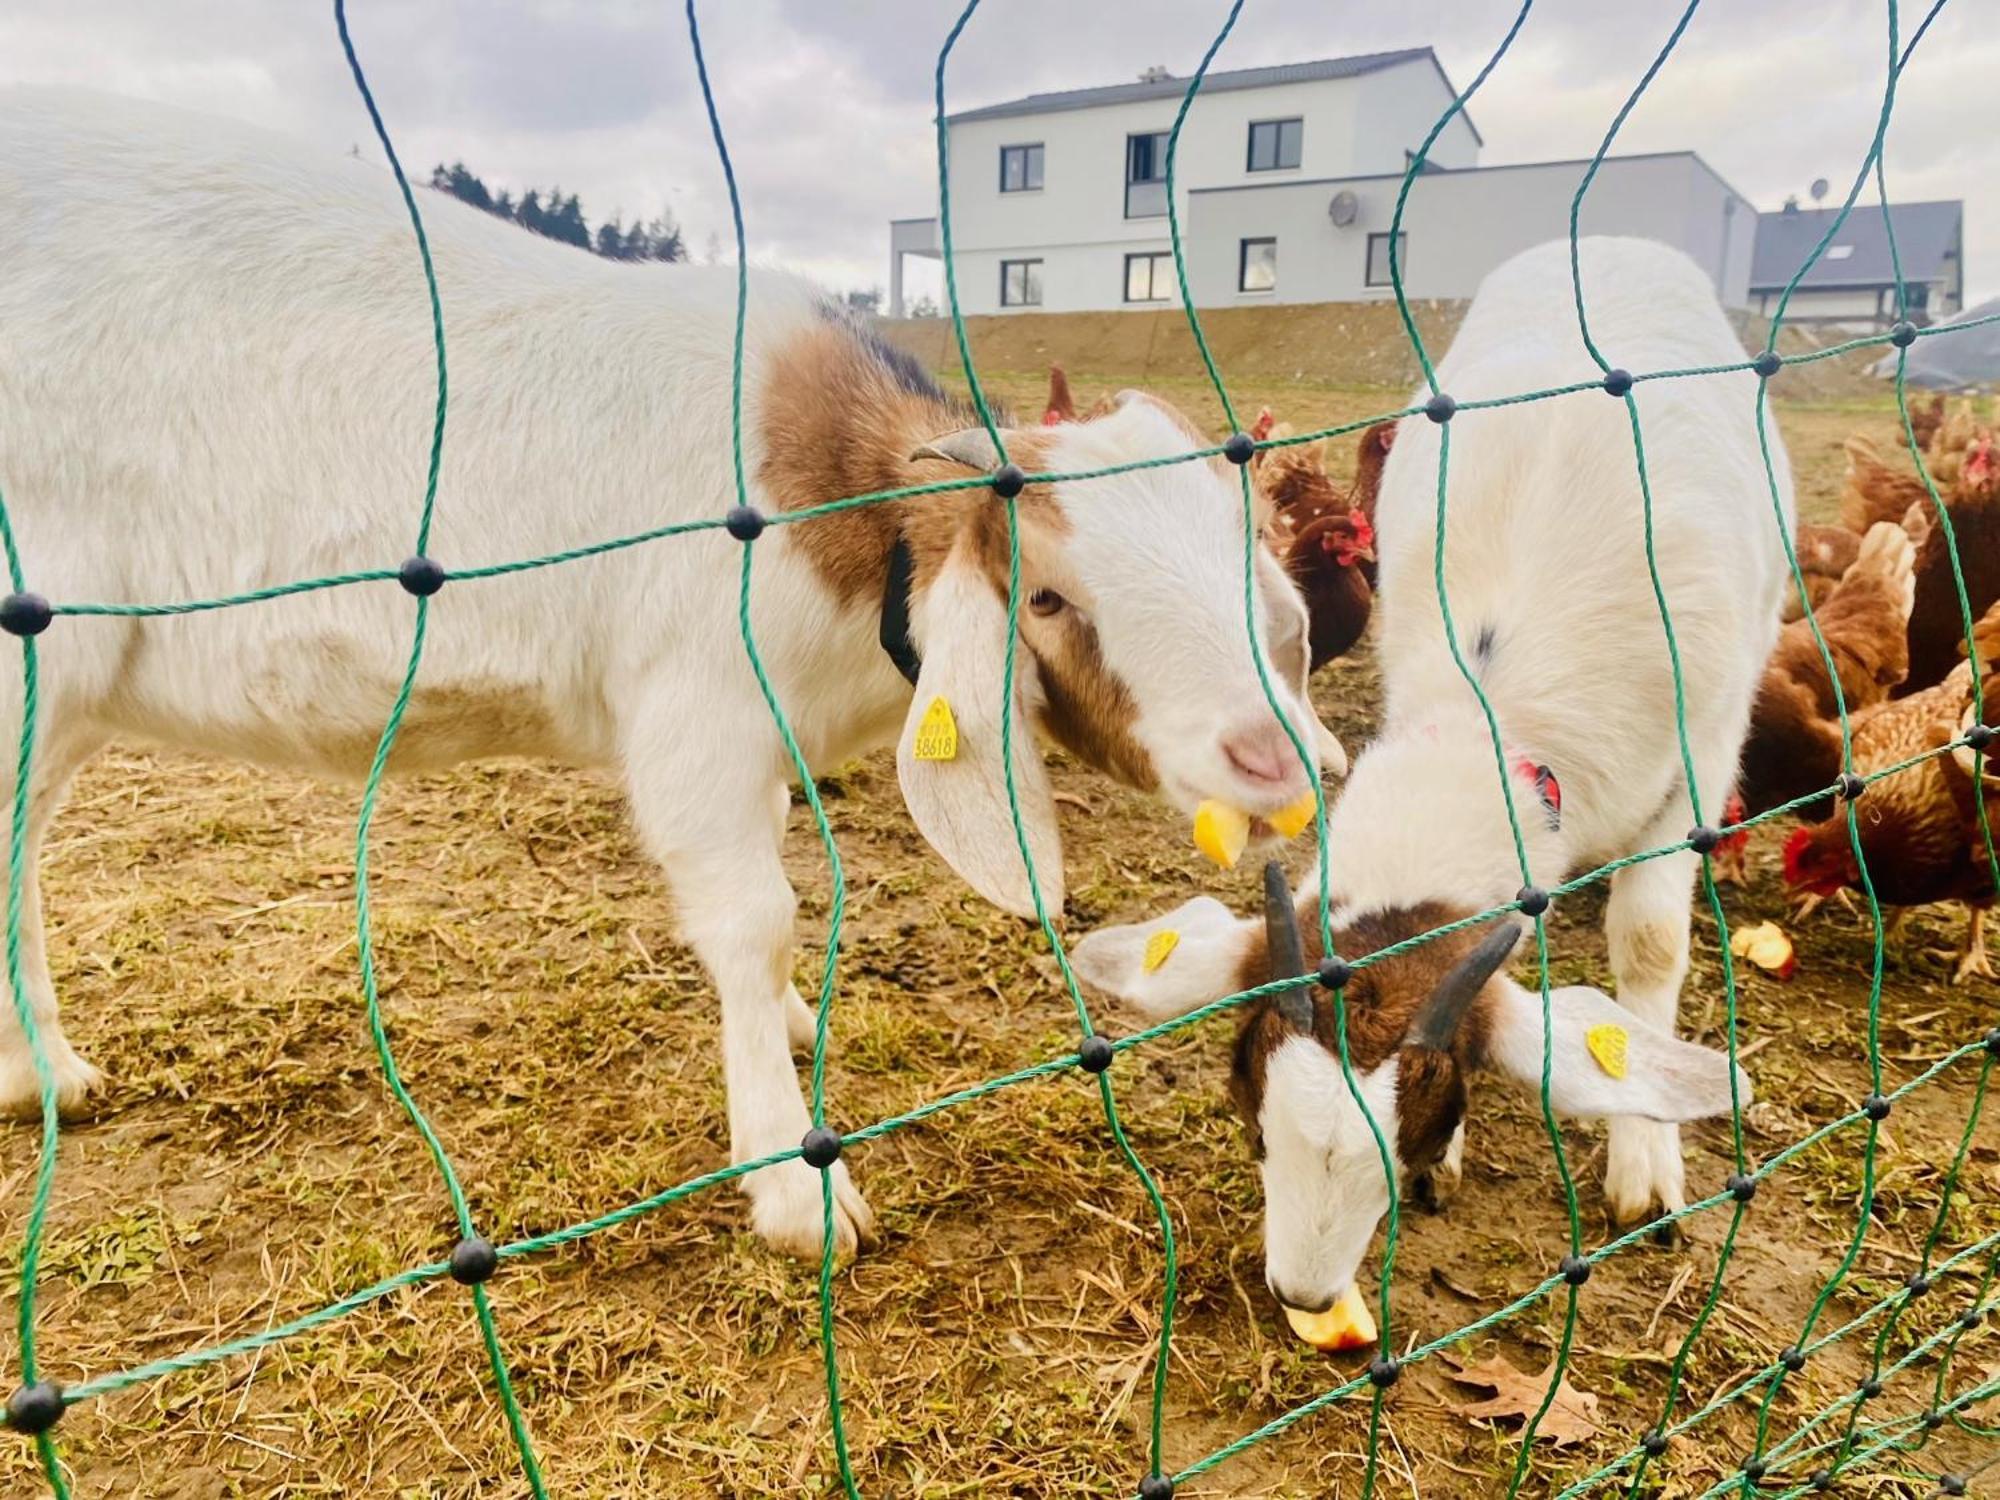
828 106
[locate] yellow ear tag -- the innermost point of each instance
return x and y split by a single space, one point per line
937 733
1158 946
1607 1045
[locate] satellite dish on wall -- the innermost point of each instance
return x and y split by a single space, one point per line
1818 189
1343 208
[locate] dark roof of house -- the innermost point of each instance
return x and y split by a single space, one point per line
1927 236
1235 78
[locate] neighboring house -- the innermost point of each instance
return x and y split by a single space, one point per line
1059 200
1326 239
1854 281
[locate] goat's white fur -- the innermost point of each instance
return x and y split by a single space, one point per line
1545 548
233 387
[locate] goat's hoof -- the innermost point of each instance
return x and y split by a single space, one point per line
789 1215
21 1089
1669 1236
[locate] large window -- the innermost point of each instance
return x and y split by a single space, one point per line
1378 258
1149 277
1021 169
1146 175
1257 266
1020 283
1275 144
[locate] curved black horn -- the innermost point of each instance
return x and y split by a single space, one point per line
1287 954
1438 1019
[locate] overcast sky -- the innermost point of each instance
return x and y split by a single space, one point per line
827 103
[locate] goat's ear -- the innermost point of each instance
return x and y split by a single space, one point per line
948 759
969 447
1607 1061
1169 976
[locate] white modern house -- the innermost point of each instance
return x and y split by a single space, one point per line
1287 180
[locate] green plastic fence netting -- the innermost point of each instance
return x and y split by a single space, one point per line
1811 1457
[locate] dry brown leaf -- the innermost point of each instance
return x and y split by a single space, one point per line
1571 1418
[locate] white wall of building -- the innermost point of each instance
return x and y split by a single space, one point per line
1459 225
1075 223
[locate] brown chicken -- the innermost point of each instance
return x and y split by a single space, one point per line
1937 624
1824 552
1878 487
1325 536
1794 742
1919 829
1951 443
1926 415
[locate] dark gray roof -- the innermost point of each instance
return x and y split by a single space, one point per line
1236 78
1927 236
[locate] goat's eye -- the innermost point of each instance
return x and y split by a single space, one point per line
1046 602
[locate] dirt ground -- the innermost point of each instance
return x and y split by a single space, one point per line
248 1165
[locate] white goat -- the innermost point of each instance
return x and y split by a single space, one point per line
232 387
1546 571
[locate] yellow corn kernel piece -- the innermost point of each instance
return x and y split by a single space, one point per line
1607 1045
1158 947
1346 1325
937 733
1294 820
1221 832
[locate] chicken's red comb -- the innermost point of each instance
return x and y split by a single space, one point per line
1364 529
1261 428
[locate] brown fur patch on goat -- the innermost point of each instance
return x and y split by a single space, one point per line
1382 1001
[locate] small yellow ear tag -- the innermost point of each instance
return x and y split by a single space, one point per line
937 733
1158 946
1607 1045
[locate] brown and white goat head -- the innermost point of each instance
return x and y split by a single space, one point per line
1133 650
1418 1025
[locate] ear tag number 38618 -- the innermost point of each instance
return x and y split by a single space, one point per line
937 733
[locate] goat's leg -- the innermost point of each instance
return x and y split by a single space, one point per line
710 827
56 760
1646 929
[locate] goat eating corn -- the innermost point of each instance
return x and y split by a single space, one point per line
234 388
1545 568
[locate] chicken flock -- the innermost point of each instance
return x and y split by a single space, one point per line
1885 601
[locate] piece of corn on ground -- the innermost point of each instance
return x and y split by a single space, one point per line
1346 1325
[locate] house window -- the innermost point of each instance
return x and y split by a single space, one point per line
1021 169
1020 283
1274 144
1149 277
1257 266
1146 175
1378 258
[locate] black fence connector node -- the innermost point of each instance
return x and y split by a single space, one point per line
25 614
744 522
821 1147
1440 408
1931 1421
1383 1372
1704 839
1793 1359
1534 900
1951 1484
1979 736
1971 1318
1876 1108
1993 1042
1009 481
1869 1389
1575 1270
1822 1479
1239 448
35 1408
1852 786
1767 364
1654 1443
1903 334
1617 382
473 1261
1741 1187
1094 1054
1156 1487
420 575
1334 973
1755 1469
1918 1284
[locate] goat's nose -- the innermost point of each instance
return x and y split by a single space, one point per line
1313 1305
1263 754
